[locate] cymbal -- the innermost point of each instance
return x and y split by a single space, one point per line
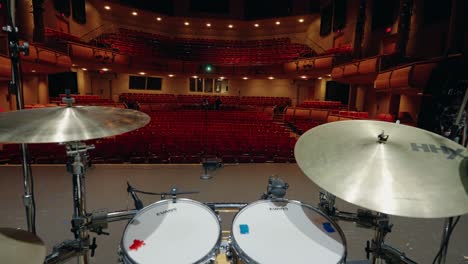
415 173
21 247
64 124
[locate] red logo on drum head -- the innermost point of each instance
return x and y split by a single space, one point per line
137 244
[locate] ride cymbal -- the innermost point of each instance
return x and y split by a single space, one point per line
414 173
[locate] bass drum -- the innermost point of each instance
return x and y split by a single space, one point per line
284 231
179 231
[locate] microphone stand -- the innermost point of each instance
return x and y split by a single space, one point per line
15 87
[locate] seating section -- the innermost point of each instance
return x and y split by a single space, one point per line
350 114
302 119
321 104
184 136
143 98
217 51
339 50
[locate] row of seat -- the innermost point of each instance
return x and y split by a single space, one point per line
197 99
321 104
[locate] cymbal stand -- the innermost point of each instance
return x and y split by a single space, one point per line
367 219
379 250
79 247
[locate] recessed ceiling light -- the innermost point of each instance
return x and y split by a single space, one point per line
134 13
208 24
256 25
245 78
301 20
304 77
230 26
320 78
277 22
33 71
107 7
222 77
329 75
84 69
195 76
186 23
104 69
271 78
158 18
142 73
171 75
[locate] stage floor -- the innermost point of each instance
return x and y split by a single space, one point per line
106 189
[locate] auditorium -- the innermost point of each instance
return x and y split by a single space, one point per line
233 131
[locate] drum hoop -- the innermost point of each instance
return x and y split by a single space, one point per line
249 260
202 260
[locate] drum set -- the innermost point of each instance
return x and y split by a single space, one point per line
387 168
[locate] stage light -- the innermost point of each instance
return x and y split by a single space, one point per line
320 78
104 69
107 7
230 26
256 25
84 69
208 24
301 20
195 76
134 13
142 73
271 78
171 75
186 23
245 78
158 19
278 23
388 30
304 77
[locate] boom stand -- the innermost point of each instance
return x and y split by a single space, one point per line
15 49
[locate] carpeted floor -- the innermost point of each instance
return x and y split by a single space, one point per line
106 189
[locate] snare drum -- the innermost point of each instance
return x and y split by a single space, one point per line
177 232
284 231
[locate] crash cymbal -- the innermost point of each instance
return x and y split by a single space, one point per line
64 124
415 173
21 247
